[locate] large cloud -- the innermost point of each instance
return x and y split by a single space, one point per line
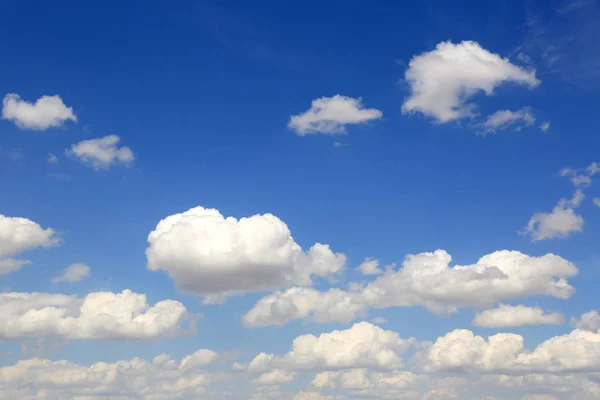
162 379
102 152
46 112
208 254
100 315
18 235
427 280
443 80
330 115
505 316
362 345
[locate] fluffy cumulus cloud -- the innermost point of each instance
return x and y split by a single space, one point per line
590 321
362 345
560 223
101 153
506 316
461 350
208 254
443 80
370 266
46 112
100 315
504 119
330 115
73 273
18 235
428 280
162 379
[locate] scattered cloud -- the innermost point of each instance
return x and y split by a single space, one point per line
506 316
18 235
504 119
370 266
362 345
560 223
330 115
208 254
545 126
46 112
100 315
597 201
590 321
101 153
162 379
427 280
52 159
443 80
73 273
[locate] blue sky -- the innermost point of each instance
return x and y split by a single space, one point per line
201 96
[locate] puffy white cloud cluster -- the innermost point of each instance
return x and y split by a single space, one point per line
18 235
506 316
46 112
443 80
100 315
330 115
427 280
162 379
208 254
102 152
461 350
362 345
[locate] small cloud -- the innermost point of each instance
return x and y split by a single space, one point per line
597 201
330 115
370 266
562 221
379 320
504 119
52 159
545 126
339 144
46 112
101 153
73 273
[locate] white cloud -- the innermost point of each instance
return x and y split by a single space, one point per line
593 169
100 315
46 112
370 266
597 201
427 280
545 126
275 377
330 115
74 272
362 382
210 255
52 159
101 153
362 345
506 316
504 119
461 350
562 221
162 379
590 321
18 235
443 80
